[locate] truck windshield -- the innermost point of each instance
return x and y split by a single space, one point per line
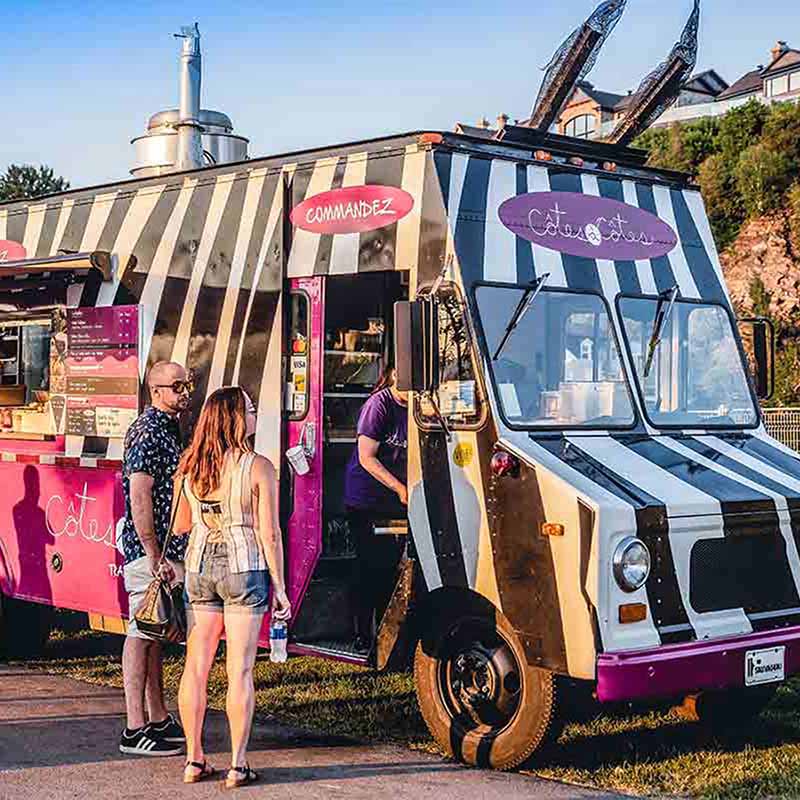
696 378
561 368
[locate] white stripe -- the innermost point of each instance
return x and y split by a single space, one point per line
423 537
219 199
500 249
98 216
139 212
159 268
467 507
255 183
702 519
762 434
344 250
458 171
61 226
305 244
33 228
3 224
644 269
605 268
410 227
694 202
677 258
544 259
270 395
781 505
275 215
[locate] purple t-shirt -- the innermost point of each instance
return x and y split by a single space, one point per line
386 421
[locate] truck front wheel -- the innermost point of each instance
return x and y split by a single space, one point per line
482 702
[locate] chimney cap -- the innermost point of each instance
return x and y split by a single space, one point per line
502 121
779 49
482 123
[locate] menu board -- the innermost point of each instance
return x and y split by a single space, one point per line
101 371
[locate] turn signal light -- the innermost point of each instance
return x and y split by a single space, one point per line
632 612
503 464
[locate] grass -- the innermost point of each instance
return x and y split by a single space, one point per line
646 753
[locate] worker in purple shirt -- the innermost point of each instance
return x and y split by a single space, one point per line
375 489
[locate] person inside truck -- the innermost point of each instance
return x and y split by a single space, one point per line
375 490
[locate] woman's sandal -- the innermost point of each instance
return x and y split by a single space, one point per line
249 776
206 771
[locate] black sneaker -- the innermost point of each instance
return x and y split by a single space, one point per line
169 730
144 743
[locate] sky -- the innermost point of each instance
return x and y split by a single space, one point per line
79 79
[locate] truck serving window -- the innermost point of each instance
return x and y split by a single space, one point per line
560 365
696 377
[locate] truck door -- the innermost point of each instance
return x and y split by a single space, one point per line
302 493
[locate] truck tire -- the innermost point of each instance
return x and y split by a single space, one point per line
24 627
729 709
481 700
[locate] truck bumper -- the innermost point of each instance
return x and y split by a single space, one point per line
678 670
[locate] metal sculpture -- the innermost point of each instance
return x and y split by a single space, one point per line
659 90
572 62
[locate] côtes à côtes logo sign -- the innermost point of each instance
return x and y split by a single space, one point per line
354 209
11 251
588 226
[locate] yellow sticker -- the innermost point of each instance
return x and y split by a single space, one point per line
462 455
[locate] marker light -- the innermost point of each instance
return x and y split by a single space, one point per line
503 464
632 612
631 564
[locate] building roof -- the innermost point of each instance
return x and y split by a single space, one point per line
474 130
604 99
708 82
750 83
788 58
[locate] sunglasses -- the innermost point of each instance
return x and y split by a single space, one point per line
179 387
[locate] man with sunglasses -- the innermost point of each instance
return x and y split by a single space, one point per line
152 451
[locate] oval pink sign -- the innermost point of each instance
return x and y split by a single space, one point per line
355 209
587 225
11 251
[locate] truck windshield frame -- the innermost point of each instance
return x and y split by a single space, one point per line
676 345
560 385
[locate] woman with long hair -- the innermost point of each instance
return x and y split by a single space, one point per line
228 501
375 488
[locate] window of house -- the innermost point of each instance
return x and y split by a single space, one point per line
794 82
778 86
582 127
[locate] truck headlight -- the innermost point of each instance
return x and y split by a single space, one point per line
631 564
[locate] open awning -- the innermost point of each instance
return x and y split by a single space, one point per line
77 264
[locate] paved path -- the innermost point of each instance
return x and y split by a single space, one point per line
58 740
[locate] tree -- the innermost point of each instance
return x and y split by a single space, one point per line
24 181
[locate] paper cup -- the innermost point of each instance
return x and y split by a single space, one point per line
296 457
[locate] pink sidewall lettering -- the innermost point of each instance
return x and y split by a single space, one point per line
588 226
11 251
354 209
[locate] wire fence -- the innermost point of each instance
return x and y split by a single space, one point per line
784 425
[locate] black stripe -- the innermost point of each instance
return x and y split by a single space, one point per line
581 273
526 270
662 271
323 263
433 229
705 277
441 508
769 454
152 232
16 222
377 249
443 164
76 225
272 183
652 527
586 533
256 343
49 224
119 209
206 316
626 270
470 227
91 288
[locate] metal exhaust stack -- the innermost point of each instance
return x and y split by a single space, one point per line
190 145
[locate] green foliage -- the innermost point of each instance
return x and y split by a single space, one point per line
793 217
723 201
24 181
740 128
681 147
762 177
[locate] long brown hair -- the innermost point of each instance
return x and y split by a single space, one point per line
386 380
222 427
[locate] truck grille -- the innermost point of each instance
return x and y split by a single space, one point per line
749 572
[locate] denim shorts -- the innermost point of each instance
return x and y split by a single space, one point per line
215 587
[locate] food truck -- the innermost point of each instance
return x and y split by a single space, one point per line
593 500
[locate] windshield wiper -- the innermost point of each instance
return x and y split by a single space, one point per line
530 294
666 298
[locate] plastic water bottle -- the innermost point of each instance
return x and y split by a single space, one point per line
278 636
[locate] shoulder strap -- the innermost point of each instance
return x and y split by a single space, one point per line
176 497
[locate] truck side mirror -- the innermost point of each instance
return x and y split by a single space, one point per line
758 338
416 345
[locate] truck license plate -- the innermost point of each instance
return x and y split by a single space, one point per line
764 666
